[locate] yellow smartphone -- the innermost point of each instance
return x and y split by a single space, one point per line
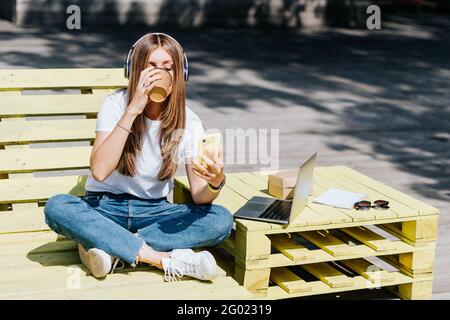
209 144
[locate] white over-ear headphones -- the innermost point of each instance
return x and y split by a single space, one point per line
128 62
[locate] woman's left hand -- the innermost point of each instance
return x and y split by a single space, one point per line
212 170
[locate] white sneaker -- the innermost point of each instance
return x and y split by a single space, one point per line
185 262
98 261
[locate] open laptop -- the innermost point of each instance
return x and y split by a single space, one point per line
282 211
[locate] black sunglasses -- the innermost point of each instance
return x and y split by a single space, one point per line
366 205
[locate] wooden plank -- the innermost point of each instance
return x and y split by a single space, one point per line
289 281
251 245
19 79
23 219
318 287
329 275
415 291
39 189
423 208
46 105
371 238
359 251
290 248
243 189
44 159
333 214
369 271
328 243
396 209
47 130
56 281
252 180
322 184
255 281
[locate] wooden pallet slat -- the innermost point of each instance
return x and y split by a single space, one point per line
328 243
369 271
423 208
396 209
44 159
290 248
49 105
329 275
20 79
322 185
370 238
289 281
40 189
47 131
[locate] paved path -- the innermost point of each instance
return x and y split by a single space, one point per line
375 101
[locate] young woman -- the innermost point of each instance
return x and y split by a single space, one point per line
124 214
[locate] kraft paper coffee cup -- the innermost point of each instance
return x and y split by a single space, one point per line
160 90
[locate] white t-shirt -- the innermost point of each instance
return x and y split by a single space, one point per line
145 183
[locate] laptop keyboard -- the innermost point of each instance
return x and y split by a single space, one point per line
278 210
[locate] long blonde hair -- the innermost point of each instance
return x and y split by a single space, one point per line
173 115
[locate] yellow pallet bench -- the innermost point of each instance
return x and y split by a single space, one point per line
329 250
45 140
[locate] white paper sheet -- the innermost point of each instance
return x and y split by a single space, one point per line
339 198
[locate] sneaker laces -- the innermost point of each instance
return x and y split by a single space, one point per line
178 267
115 263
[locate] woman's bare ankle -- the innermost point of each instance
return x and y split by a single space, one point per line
148 255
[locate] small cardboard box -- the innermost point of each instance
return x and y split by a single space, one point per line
281 183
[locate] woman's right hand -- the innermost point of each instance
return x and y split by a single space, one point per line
146 83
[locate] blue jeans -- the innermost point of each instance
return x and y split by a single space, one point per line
120 224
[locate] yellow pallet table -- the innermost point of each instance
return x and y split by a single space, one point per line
333 248
34 262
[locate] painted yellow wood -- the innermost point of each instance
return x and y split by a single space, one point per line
5 94
46 105
23 219
243 188
252 180
321 185
329 275
251 245
423 208
319 287
44 159
333 214
18 79
369 271
47 130
360 251
419 262
30 237
327 182
255 281
290 248
73 282
421 290
42 247
371 238
421 230
327 242
30 190
416 265
289 281
400 209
